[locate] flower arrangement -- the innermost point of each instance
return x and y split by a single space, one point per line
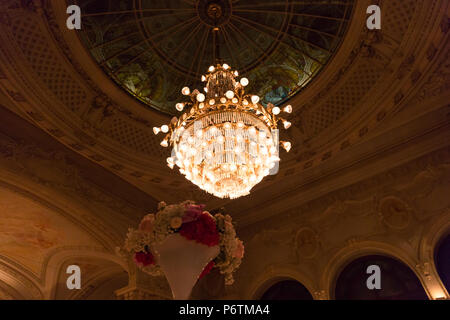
193 223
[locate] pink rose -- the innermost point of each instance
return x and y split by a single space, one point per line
239 252
192 212
147 222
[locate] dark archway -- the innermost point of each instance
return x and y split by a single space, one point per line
398 281
442 261
287 290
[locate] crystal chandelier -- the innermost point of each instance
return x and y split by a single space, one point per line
226 141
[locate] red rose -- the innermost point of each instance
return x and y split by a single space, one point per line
202 230
192 212
207 269
144 259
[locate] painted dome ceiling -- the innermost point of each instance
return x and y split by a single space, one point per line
152 48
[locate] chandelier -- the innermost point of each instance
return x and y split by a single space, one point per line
226 141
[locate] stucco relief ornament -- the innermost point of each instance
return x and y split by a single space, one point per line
306 244
394 212
184 242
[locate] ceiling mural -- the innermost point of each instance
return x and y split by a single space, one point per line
29 231
152 48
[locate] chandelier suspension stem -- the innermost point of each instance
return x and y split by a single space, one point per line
216 46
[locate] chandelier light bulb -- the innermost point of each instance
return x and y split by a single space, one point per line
212 101
288 109
203 78
179 106
244 82
286 124
201 105
165 143
286 145
276 110
235 100
200 97
245 102
205 89
255 99
156 130
211 69
229 94
185 91
225 66
236 73
165 128
223 100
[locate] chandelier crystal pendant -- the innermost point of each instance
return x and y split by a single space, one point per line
226 141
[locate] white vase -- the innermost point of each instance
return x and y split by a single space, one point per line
182 262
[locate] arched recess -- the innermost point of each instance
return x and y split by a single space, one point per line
396 280
433 235
442 260
343 257
287 290
109 264
275 274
